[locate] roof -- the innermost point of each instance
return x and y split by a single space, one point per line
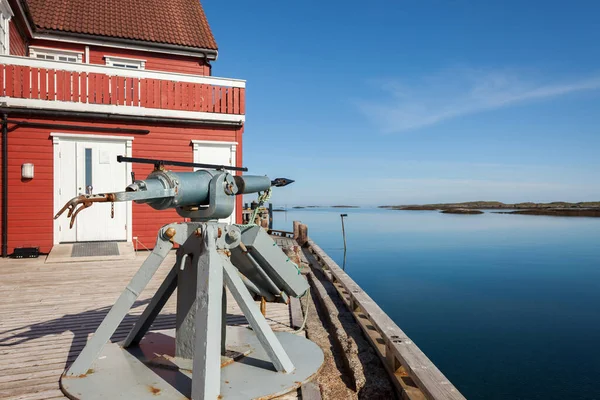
173 22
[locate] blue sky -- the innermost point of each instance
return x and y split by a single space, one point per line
401 102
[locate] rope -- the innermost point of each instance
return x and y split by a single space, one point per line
263 197
307 294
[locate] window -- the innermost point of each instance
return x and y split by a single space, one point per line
129 63
5 16
88 171
44 53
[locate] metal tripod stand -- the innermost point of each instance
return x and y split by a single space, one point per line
202 271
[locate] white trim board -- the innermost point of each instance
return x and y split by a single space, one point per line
132 73
138 62
91 136
215 142
34 51
121 110
55 50
5 9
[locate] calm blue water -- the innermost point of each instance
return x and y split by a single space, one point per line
507 306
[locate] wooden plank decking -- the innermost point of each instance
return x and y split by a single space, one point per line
48 311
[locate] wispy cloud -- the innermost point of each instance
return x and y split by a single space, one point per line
458 92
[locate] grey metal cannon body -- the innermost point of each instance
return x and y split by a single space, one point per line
201 195
211 256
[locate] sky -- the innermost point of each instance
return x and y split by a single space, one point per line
406 102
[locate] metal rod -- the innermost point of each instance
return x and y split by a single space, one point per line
178 163
4 185
264 275
256 290
270 215
343 230
77 127
344 236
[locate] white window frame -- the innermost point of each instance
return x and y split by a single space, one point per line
124 62
5 15
34 51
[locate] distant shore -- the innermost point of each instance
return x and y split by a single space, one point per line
558 208
340 206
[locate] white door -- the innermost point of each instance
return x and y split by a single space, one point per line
219 153
87 165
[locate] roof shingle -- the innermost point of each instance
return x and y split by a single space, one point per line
175 22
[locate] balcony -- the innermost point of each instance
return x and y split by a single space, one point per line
52 85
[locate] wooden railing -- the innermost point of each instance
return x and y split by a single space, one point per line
25 78
415 376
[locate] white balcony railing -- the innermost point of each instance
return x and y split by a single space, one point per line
41 84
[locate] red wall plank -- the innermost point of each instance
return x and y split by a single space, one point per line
43 84
84 87
26 82
17 42
35 83
120 90
197 97
223 91
51 84
105 89
229 100
177 100
136 92
10 85
242 101
76 76
156 89
17 87
236 100
60 85
91 89
208 98
165 94
113 89
145 91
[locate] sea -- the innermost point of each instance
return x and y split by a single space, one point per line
507 306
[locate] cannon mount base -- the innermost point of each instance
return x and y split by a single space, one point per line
151 371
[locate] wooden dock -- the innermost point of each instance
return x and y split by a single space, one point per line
48 312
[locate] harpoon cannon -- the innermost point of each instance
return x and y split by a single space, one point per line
204 194
203 358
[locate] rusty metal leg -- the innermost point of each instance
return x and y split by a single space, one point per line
120 309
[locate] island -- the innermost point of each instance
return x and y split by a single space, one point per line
461 211
557 208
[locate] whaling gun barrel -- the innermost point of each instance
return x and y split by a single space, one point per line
204 194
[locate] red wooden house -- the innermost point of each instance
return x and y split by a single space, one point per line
82 81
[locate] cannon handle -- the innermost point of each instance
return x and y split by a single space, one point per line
159 163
